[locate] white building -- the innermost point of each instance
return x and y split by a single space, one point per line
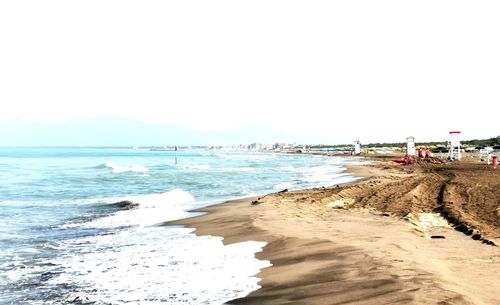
454 153
410 146
357 148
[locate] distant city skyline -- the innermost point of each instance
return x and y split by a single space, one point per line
227 72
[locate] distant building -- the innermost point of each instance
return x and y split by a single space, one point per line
254 146
282 146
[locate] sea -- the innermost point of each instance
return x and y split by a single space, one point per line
86 225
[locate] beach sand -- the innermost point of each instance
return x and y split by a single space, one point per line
405 234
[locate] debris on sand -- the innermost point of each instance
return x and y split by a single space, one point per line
343 203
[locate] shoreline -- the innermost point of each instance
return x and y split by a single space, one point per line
327 246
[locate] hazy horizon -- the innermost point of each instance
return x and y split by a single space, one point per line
227 72
119 132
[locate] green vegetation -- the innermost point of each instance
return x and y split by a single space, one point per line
484 142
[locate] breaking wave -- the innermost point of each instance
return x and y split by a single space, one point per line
123 169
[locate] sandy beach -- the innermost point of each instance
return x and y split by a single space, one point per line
424 233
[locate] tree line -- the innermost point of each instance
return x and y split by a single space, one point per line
467 143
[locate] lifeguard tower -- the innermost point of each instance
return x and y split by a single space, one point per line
410 146
357 148
454 153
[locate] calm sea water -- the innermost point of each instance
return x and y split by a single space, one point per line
64 240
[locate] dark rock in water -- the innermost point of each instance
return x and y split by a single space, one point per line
126 205
283 191
437 236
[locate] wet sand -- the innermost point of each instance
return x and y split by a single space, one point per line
405 234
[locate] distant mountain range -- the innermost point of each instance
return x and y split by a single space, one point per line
125 132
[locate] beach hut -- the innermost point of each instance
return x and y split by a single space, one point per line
454 152
410 146
357 148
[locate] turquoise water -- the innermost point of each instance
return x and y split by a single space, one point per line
64 239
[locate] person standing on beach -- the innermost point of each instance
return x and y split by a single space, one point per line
427 153
419 153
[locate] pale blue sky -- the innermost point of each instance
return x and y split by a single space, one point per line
304 71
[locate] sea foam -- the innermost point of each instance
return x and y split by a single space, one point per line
160 265
156 264
123 169
151 209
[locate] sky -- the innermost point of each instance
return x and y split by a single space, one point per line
199 72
